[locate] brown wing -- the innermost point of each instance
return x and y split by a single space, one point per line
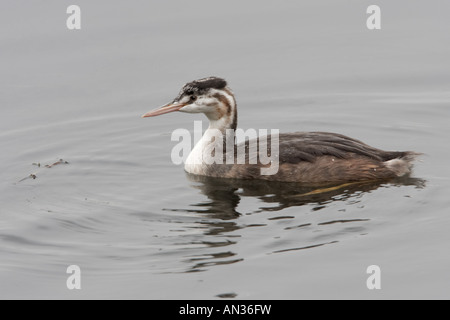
309 146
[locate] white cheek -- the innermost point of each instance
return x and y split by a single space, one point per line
191 108
187 108
206 101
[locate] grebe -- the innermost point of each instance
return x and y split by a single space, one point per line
306 157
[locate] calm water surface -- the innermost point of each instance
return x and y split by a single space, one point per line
140 227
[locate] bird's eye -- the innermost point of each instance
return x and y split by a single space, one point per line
192 98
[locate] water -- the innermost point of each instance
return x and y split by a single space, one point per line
139 227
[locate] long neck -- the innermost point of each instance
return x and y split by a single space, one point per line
225 125
226 117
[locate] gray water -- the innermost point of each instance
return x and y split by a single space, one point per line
139 227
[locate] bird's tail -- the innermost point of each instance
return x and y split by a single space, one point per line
403 164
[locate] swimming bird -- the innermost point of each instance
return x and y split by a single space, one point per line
305 157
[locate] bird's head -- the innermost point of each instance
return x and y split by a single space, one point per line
210 96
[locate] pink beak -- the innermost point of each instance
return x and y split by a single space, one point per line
170 107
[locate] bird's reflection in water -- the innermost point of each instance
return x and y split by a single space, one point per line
224 196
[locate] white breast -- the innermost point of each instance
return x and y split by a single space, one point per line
207 151
195 162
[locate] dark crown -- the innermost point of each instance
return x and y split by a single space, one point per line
201 86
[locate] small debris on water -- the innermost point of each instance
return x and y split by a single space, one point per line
38 164
31 176
61 161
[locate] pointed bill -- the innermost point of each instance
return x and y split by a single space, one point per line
170 107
